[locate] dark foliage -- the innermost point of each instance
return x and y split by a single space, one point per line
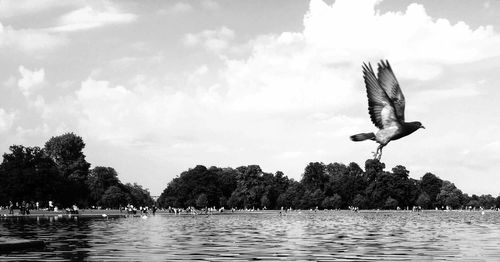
60 173
28 174
328 186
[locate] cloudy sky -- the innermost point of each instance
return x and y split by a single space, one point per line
157 87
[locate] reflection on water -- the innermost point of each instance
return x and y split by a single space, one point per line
318 236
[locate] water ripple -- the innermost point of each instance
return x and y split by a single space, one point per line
304 236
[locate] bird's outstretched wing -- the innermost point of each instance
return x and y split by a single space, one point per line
382 112
390 85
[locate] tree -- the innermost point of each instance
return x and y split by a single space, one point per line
264 202
449 195
333 202
312 199
67 152
250 186
223 201
391 203
400 172
431 185
60 173
99 180
336 169
359 201
138 196
373 167
423 200
314 176
226 180
487 201
345 181
292 197
379 189
114 197
236 200
473 203
27 174
184 190
330 186
202 201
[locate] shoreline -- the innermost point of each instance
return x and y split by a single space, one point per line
115 213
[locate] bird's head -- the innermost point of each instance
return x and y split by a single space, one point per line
419 125
413 126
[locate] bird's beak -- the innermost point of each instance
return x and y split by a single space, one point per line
422 127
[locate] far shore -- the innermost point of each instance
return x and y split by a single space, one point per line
113 213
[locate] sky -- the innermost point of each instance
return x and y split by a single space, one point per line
157 87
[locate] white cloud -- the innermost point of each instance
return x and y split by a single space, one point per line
290 155
115 113
441 94
177 8
6 120
212 40
210 4
30 80
356 31
29 40
181 7
89 17
10 8
319 68
287 76
295 96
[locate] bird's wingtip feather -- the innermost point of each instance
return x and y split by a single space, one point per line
384 64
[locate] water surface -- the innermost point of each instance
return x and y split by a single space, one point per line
306 235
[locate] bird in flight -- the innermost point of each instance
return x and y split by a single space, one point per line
386 105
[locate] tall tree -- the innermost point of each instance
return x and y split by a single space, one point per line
373 167
450 195
314 177
67 152
431 185
99 180
114 197
423 200
27 174
202 201
138 196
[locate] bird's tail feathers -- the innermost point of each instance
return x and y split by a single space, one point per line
363 136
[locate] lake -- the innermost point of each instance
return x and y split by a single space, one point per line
298 235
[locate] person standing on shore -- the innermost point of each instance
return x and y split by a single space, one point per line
11 208
26 208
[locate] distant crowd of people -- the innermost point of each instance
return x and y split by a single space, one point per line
25 207
131 210
194 211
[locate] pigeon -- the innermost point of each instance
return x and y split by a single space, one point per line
386 105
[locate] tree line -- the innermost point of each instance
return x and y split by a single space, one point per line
325 186
58 172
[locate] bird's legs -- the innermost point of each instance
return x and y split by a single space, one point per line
378 154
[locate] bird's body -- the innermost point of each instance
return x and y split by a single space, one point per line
386 105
